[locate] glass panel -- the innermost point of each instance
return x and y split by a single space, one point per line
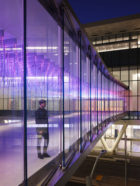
133 87
124 75
139 103
133 74
117 88
88 93
108 97
111 98
105 99
99 97
127 105
115 99
138 84
43 87
133 103
138 74
122 100
94 96
85 94
71 92
11 92
107 102
103 92
116 74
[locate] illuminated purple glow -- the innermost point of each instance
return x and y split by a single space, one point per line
44 54
41 69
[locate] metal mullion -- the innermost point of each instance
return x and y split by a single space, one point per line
117 99
101 99
78 87
80 92
109 96
137 79
90 95
63 95
113 96
104 96
129 76
25 92
97 95
124 99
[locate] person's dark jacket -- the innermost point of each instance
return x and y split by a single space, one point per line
41 117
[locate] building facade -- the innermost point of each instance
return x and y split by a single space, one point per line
118 42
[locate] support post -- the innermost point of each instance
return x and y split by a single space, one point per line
111 150
89 178
125 159
119 137
105 145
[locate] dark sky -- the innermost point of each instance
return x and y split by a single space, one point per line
95 10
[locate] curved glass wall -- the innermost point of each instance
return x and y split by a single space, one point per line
69 92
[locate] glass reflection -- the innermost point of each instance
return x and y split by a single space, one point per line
45 55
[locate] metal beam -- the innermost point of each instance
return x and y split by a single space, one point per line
129 122
111 150
62 176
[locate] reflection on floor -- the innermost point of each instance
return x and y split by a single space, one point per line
11 144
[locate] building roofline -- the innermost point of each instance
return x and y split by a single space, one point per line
114 20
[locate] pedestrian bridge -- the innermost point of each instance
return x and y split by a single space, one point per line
45 54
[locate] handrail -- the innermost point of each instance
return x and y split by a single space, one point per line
89 178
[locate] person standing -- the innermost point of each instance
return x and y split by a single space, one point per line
42 129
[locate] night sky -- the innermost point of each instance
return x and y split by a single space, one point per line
96 10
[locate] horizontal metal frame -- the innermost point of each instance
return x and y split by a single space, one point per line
116 42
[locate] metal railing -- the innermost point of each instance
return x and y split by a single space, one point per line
89 178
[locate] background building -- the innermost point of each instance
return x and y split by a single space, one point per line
118 42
